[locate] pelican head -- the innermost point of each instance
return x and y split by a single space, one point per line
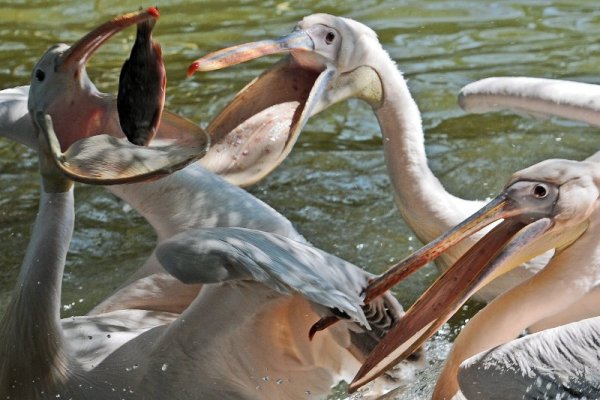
546 206
330 60
61 89
59 81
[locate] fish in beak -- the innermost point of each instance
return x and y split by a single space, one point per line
142 85
526 210
258 129
61 89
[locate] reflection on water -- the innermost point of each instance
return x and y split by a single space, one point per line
335 180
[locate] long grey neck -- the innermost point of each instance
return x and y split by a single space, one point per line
422 200
31 340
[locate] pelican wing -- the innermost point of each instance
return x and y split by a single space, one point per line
226 254
563 362
15 122
534 96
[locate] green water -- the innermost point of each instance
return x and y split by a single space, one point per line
334 186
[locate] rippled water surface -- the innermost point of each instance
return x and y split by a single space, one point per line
334 186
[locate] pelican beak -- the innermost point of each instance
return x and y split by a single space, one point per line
505 246
107 160
267 116
79 54
296 41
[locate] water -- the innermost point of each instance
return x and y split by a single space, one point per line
334 186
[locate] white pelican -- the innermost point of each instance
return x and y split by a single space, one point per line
539 97
553 204
247 338
350 62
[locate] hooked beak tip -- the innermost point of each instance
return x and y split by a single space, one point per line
195 66
153 11
81 51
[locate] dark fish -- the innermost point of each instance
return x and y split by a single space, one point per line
142 87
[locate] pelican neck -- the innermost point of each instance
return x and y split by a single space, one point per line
421 198
31 338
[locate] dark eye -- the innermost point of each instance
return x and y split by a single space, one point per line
540 191
330 37
39 75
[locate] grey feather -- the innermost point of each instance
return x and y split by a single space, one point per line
559 363
225 254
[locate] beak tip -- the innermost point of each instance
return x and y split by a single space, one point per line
153 11
192 68
353 386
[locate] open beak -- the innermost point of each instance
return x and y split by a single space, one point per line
79 54
107 160
504 247
178 141
265 119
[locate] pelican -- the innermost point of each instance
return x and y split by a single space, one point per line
540 98
345 59
552 204
245 338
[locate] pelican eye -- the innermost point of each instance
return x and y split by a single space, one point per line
330 37
540 191
39 75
